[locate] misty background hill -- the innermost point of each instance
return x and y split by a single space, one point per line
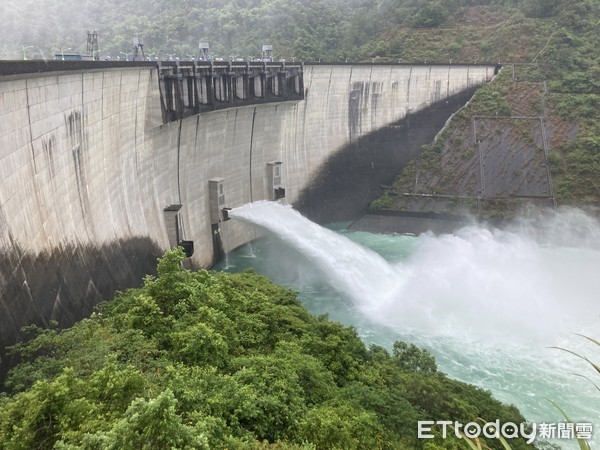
560 37
327 30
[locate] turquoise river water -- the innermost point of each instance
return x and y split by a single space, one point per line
488 303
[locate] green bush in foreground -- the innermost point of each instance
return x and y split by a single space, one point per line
215 360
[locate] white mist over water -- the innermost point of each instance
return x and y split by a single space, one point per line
478 282
487 302
351 268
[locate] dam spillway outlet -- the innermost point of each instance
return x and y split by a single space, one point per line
216 199
279 193
188 247
173 223
274 180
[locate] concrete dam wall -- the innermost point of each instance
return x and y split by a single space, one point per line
94 186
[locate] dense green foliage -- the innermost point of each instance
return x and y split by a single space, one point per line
571 65
215 360
556 43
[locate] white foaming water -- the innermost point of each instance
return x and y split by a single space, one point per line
487 302
497 284
478 282
351 268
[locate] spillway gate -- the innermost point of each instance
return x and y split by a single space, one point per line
192 87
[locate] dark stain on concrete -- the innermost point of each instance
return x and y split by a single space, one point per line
375 96
49 144
437 93
350 178
65 284
357 103
75 133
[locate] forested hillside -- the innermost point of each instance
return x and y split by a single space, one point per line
329 30
212 360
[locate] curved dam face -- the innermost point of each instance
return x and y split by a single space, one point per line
94 187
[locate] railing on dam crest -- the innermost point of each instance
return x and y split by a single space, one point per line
193 87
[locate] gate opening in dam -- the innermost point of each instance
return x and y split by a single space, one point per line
189 88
